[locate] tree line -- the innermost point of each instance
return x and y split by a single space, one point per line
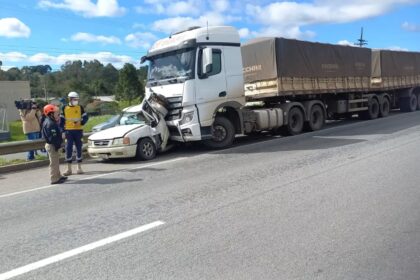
88 78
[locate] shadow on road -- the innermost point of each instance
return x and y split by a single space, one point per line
103 181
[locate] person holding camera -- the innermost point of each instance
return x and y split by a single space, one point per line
51 132
73 119
31 125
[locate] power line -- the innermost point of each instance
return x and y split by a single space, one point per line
361 42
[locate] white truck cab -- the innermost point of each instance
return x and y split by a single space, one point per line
190 70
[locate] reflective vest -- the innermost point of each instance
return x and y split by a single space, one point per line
73 117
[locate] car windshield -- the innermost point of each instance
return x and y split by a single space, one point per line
133 118
113 119
176 64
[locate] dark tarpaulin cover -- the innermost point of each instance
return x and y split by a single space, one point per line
268 58
395 63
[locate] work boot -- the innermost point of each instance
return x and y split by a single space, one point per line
79 169
68 171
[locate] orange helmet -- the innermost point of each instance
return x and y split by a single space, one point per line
50 108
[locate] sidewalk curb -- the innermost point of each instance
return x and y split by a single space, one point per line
23 166
31 164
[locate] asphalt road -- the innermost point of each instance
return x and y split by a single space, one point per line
341 203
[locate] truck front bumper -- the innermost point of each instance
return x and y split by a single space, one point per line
113 152
185 133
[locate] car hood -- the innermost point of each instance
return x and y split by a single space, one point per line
114 132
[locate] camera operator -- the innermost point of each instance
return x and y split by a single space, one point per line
31 125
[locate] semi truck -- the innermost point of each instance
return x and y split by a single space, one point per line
216 88
209 79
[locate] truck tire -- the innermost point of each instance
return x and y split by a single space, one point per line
223 134
146 149
418 101
316 118
295 121
385 107
373 110
408 104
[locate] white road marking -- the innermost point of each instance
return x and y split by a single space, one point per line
77 251
94 177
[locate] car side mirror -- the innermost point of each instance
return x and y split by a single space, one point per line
207 61
153 123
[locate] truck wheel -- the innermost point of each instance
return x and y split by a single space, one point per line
373 110
146 149
316 118
408 104
295 121
384 108
418 102
223 134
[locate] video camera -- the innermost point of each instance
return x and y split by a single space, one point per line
24 104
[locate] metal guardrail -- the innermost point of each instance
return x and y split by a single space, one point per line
27 145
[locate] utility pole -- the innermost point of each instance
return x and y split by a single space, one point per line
361 42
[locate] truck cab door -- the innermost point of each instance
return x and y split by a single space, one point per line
210 83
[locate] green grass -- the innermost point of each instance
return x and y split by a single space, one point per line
5 162
16 131
94 121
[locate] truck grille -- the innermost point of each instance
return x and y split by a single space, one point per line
175 108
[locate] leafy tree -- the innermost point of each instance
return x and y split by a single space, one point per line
129 87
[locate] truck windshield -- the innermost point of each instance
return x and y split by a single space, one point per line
172 65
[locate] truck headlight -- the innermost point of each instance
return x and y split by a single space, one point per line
186 118
121 141
90 143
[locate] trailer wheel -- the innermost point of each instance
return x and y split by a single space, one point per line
316 118
295 121
384 108
146 149
223 134
372 111
408 104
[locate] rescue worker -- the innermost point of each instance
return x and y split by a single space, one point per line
52 134
73 119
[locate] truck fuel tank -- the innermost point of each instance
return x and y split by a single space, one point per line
267 119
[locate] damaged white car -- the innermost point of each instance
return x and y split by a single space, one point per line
142 133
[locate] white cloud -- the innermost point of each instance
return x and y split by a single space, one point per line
410 27
170 25
220 5
91 38
177 8
13 27
287 18
13 56
139 26
43 58
140 40
345 43
397 48
102 8
244 32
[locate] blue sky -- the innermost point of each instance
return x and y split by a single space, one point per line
51 32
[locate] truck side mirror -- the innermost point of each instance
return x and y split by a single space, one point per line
207 61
